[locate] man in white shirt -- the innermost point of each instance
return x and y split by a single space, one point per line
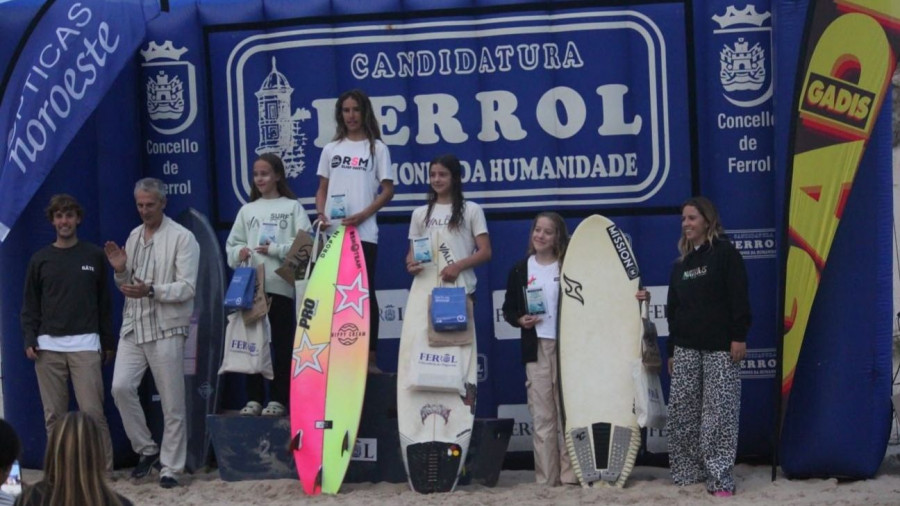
157 273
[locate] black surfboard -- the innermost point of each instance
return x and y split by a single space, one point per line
203 348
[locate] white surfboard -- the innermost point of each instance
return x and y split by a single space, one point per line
435 426
599 342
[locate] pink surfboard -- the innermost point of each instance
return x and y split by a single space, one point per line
329 364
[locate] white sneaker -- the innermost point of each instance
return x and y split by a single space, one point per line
274 409
252 408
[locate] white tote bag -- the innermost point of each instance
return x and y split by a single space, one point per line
649 403
247 346
441 369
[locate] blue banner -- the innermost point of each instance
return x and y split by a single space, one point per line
175 146
536 118
69 61
735 125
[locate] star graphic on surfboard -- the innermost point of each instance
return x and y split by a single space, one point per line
352 296
307 355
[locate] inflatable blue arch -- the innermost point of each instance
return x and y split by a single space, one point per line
622 108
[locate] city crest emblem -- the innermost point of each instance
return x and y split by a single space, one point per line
171 88
389 313
745 70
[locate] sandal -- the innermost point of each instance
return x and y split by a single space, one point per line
274 409
252 408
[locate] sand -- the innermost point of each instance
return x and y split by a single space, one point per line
647 485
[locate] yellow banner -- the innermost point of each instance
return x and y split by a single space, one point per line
845 83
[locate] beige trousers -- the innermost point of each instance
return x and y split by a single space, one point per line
53 370
551 460
165 358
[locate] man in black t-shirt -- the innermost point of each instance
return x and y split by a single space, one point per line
67 320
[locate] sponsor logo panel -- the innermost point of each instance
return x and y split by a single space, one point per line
392 310
760 363
523 426
754 244
365 450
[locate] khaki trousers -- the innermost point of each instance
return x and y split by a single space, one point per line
551 460
53 369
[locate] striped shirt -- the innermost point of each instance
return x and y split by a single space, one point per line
140 314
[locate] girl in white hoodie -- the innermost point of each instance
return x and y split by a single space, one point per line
262 234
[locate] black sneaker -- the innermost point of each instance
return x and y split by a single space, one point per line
144 465
168 482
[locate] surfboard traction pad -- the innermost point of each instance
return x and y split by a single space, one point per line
438 464
603 453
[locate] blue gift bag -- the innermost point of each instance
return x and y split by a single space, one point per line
240 291
448 309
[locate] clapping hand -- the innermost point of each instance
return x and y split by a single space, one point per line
116 256
136 290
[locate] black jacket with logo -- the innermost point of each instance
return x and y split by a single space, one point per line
708 303
514 307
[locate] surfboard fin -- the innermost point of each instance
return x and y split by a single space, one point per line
345 445
296 441
318 485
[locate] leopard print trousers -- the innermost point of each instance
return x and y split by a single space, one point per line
704 412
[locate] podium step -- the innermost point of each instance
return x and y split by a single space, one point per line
256 447
490 439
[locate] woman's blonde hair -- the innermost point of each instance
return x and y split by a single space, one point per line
706 209
562 234
75 464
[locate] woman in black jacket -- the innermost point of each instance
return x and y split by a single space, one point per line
709 316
